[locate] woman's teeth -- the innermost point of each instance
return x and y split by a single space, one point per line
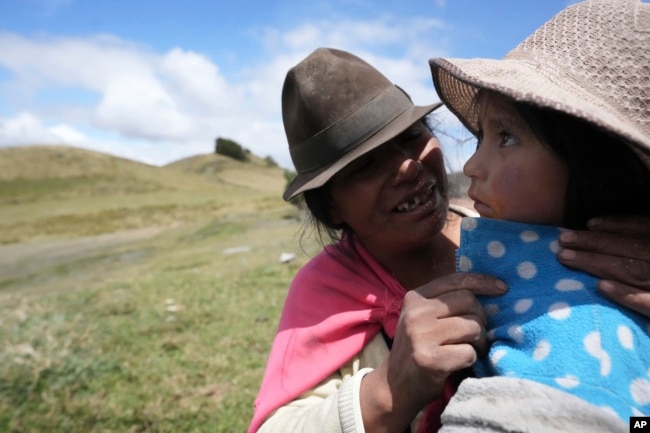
415 201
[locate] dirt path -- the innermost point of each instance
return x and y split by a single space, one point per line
26 258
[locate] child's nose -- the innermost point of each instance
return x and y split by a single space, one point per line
473 166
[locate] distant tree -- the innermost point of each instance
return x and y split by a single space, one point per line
230 148
270 162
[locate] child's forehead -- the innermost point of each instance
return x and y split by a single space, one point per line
497 109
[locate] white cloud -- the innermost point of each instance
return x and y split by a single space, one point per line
158 107
196 81
140 106
68 135
24 129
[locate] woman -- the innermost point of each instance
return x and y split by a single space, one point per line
371 171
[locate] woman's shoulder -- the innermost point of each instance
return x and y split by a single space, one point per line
462 207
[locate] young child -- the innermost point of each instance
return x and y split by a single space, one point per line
552 326
563 128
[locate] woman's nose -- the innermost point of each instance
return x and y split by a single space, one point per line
408 170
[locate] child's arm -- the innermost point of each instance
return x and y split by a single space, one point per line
616 249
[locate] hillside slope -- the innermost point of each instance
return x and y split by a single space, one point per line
255 173
67 191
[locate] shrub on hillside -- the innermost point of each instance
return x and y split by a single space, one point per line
270 162
230 148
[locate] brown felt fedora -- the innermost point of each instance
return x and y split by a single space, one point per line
335 108
592 61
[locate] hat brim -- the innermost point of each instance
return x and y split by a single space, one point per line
317 178
458 80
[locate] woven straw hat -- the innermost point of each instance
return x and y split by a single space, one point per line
591 60
335 108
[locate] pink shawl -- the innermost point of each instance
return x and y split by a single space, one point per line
336 305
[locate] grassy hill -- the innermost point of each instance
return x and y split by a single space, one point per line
66 191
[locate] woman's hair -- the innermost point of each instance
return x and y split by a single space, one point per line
319 203
606 177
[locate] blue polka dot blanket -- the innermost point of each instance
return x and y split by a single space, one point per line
552 326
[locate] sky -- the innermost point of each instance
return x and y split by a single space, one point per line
158 81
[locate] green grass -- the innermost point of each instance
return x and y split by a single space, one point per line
173 340
162 329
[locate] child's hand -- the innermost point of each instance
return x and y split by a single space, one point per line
616 249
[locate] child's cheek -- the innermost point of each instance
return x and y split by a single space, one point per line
508 192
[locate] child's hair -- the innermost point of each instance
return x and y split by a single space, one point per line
606 177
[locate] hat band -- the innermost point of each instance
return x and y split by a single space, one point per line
346 134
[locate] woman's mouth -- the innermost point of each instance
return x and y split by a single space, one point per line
417 201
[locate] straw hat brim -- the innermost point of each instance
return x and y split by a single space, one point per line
458 80
317 178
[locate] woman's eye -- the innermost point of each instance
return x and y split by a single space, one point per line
360 165
413 135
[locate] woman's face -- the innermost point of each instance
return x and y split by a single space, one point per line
513 175
396 195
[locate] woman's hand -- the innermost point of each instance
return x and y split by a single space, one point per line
440 330
616 249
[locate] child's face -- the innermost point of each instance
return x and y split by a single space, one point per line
513 175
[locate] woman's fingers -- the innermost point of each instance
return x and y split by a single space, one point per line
632 225
624 270
631 297
476 283
624 258
617 250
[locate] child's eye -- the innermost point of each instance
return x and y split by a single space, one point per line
508 139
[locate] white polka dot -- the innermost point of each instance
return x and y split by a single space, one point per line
497 355
568 381
594 348
559 311
554 246
516 333
523 305
542 350
625 337
491 309
464 264
469 224
640 390
526 270
569 285
496 249
609 410
529 236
